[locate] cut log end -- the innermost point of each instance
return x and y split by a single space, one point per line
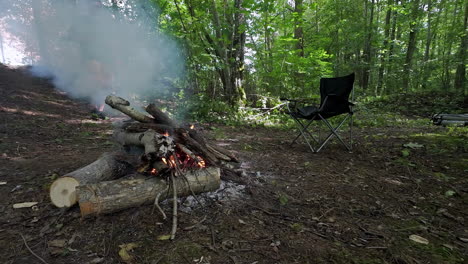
63 192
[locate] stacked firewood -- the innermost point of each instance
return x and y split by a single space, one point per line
159 159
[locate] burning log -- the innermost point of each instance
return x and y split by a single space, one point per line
155 144
111 196
108 167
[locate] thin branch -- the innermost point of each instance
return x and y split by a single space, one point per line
32 252
156 203
174 207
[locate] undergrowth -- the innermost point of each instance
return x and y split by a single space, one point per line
412 110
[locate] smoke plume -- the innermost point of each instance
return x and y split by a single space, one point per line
91 50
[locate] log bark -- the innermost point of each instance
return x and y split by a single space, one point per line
124 106
112 196
142 127
159 116
155 144
108 167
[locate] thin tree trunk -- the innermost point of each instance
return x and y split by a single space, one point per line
429 37
39 28
460 75
1 48
239 36
383 57
225 71
411 45
298 30
447 49
391 51
367 49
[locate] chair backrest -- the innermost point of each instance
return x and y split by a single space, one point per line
339 88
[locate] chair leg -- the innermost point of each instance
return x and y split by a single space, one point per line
351 132
304 129
304 132
333 133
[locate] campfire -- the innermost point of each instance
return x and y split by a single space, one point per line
159 159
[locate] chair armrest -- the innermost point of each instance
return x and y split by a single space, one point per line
298 100
293 104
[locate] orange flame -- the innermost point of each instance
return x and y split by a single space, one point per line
201 163
154 171
192 127
171 162
166 134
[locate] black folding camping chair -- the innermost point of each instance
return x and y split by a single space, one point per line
334 101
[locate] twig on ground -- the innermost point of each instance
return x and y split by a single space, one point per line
30 250
233 259
261 209
326 212
213 240
193 226
156 203
174 207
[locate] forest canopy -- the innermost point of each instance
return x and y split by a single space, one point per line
245 50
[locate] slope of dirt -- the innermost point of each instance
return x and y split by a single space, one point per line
292 206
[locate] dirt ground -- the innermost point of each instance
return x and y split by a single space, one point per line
290 206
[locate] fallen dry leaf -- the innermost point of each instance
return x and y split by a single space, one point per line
164 237
419 239
57 243
124 249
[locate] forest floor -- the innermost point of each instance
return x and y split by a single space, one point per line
404 177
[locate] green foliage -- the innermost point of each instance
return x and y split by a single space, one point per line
283 199
405 153
426 103
335 35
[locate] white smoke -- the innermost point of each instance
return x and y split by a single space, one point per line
92 50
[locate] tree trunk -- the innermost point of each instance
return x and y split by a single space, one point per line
411 45
429 37
1 48
390 52
239 35
298 31
107 167
367 49
460 75
39 27
384 53
112 196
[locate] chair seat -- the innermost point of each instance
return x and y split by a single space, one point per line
310 112
307 112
